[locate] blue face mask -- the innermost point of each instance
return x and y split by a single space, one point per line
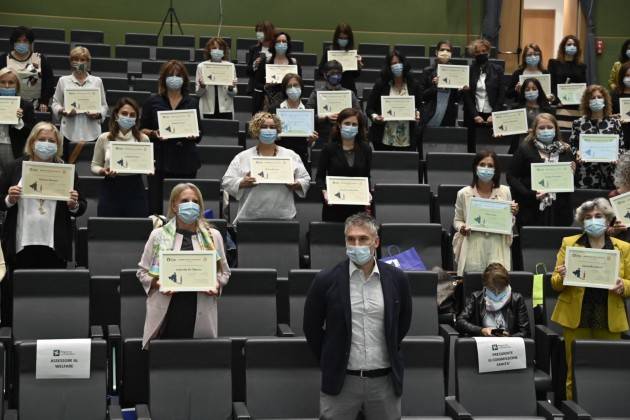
294 93
531 95
570 50
595 227
260 36
125 122
45 150
349 132
8 91
626 81
174 82
397 69
359 255
532 60
22 47
546 135
188 212
596 104
216 54
495 297
485 174
281 48
628 53
268 135
342 42
334 79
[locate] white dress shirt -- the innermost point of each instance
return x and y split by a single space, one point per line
368 347
4 131
481 94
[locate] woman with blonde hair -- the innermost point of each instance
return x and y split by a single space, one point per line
181 314
13 136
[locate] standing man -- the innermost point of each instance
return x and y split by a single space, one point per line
355 316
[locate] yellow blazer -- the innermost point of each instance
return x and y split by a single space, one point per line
569 306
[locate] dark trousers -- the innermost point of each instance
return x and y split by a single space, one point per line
123 196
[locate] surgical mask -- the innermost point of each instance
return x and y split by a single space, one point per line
359 255
342 42
495 297
444 55
627 53
546 135
570 50
349 131
80 67
334 79
8 91
397 69
260 36
22 47
174 82
595 227
216 54
596 104
485 174
294 93
188 212
626 81
268 135
45 150
532 60
281 48
125 122
531 95
481 59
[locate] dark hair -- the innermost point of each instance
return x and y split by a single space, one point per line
272 47
167 69
386 73
440 43
335 134
332 65
222 45
561 55
620 76
113 125
542 95
622 56
343 28
494 275
19 32
285 81
268 28
497 169
536 48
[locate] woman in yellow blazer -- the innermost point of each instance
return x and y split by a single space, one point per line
585 312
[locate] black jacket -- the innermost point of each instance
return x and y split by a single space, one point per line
565 72
48 79
18 137
494 88
428 91
328 322
63 224
469 321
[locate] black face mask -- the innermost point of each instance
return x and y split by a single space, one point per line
481 59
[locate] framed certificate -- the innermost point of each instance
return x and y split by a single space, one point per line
452 76
333 101
624 109
588 267
131 157
552 177
347 59
571 93
506 123
274 73
188 271
8 109
599 147
544 79
221 74
492 216
345 190
398 108
175 124
47 181
296 122
272 170
621 206
82 100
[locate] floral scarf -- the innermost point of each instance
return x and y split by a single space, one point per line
553 150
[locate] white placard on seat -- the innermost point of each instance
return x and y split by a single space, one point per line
63 359
500 353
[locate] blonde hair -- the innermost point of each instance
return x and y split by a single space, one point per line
257 121
601 204
545 116
477 43
39 127
585 109
177 191
80 52
8 70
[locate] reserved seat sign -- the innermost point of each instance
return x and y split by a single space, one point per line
63 359
500 353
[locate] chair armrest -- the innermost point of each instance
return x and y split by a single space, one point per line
547 410
6 336
113 332
544 340
285 331
572 411
115 413
240 411
142 412
114 359
457 411
96 331
625 335
446 330
11 415
81 257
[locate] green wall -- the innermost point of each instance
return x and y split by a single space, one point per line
612 25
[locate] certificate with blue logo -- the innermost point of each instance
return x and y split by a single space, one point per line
491 216
621 205
552 177
599 147
296 122
590 267
188 271
130 157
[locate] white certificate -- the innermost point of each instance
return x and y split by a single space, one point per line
175 124
333 101
495 354
8 109
621 205
506 123
128 157
398 108
221 74
544 79
63 359
47 181
452 76
624 109
272 170
347 59
599 147
274 73
492 216
552 177
82 100
188 271
570 93
296 122
345 190
588 267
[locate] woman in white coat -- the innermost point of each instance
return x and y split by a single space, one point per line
181 314
216 102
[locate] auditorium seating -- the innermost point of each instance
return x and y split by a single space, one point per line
298 284
269 244
540 245
327 245
426 238
395 168
402 203
444 140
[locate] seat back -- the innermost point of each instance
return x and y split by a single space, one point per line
90 190
401 203
283 378
550 297
446 198
308 209
215 160
424 376
445 140
327 244
395 168
39 293
84 160
426 238
210 190
540 244
448 168
95 37
269 244
299 283
61 399
132 304
219 132
410 50
423 288
515 387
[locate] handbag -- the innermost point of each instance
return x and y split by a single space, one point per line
408 260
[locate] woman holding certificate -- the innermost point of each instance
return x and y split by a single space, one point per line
395 80
182 314
531 65
596 118
531 97
121 195
597 311
13 136
622 92
343 41
474 250
216 101
264 178
259 52
566 68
